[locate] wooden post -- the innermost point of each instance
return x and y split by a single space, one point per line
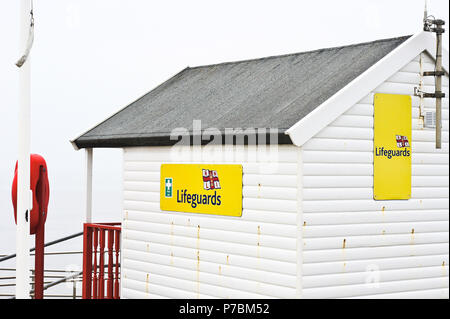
109 287
101 275
87 263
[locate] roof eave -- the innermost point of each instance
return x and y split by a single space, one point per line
167 140
74 145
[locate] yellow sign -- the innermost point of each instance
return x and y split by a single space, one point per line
202 188
392 147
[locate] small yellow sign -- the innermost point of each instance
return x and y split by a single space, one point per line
202 188
392 147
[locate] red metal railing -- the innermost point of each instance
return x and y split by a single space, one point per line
101 239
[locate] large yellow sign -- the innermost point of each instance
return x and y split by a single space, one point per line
202 188
392 147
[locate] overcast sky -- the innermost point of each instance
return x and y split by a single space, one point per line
92 57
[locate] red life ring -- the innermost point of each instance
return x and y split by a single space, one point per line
41 192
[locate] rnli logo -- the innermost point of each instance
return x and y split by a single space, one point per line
210 179
402 141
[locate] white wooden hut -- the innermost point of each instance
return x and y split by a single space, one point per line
311 224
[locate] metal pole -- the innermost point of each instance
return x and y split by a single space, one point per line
23 185
46 245
39 262
74 289
438 86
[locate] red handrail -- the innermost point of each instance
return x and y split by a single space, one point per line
97 237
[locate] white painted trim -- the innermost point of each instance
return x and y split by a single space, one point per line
299 284
74 145
357 89
122 209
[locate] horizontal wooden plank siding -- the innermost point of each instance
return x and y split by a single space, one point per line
309 227
355 247
185 255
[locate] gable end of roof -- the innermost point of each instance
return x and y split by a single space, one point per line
361 86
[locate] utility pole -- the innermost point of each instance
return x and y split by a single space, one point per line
438 81
24 196
436 26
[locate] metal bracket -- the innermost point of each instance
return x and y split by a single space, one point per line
434 95
434 73
437 94
428 23
418 92
437 30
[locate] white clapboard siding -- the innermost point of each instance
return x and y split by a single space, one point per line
309 224
356 247
185 255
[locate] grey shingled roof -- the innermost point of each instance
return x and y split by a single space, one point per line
271 92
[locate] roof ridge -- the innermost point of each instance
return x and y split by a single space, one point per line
298 53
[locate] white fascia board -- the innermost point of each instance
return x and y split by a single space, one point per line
75 147
360 87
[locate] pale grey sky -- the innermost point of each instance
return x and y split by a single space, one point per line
92 57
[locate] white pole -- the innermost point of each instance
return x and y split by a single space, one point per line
23 186
88 179
425 12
